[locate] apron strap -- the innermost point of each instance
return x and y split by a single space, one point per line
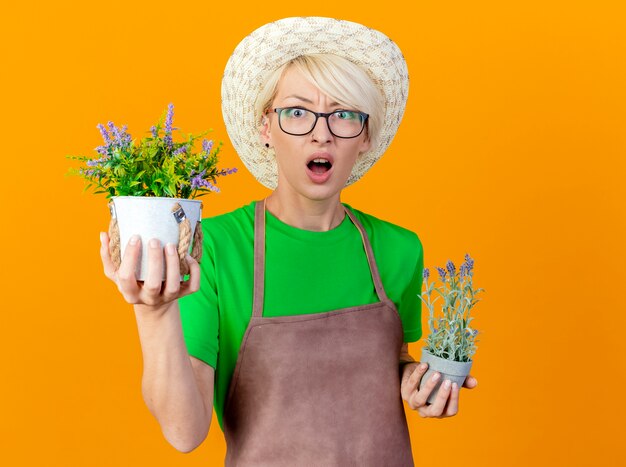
259 258
378 283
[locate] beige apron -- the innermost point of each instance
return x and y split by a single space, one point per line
318 389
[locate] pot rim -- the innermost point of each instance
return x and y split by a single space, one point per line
425 349
159 197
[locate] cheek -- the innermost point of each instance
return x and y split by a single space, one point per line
288 156
352 154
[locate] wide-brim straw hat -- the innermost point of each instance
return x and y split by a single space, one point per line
274 44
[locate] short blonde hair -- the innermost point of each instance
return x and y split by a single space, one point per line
337 77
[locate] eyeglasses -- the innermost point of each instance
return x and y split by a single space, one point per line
298 121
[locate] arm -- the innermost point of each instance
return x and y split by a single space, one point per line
405 362
404 354
177 388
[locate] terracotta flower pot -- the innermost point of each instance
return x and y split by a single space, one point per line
449 369
155 217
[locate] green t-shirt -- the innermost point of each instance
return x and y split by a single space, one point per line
306 272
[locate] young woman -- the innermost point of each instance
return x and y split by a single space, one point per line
298 335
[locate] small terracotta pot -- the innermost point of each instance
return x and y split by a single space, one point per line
449 369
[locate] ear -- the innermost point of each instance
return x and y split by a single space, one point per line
366 144
265 129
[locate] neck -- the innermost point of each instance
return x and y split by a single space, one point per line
305 213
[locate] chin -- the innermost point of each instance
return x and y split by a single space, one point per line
323 192
313 191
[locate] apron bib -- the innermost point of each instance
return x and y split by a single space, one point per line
318 389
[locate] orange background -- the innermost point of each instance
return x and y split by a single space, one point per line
512 148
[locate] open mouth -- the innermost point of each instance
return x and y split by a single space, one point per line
319 167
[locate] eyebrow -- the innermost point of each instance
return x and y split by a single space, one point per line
332 104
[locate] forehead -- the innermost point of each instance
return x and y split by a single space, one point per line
293 83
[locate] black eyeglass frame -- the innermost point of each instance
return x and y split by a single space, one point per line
365 117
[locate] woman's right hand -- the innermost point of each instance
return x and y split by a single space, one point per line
153 294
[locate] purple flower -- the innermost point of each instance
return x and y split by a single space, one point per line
462 271
121 139
180 150
125 137
227 171
114 131
94 162
197 178
426 273
466 267
207 145
451 268
198 182
108 143
102 150
442 273
170 118
104 133
168 126
153 129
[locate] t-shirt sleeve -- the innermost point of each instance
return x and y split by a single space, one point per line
410 307
199 313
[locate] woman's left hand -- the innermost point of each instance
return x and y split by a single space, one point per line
446 403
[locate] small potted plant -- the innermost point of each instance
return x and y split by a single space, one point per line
152 186
451 342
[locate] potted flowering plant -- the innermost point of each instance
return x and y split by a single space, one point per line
151 186
451 342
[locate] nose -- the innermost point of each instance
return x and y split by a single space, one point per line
321 133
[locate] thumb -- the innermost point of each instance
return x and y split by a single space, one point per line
470 382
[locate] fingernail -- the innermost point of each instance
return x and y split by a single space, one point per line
422 366
454 386
436 376
134 239
154 243
169 248
446 384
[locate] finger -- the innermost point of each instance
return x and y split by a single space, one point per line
452 405
419 398
151 290
436 409
126 278
172 271
107 263
193 284
406 382
470 382
412 375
